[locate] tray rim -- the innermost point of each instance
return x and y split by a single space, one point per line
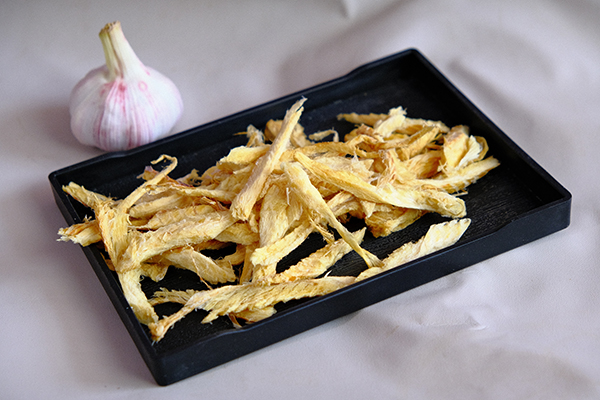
160 363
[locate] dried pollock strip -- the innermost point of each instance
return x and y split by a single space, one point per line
313 201
407 197
318 262
243 203
240 298
438 237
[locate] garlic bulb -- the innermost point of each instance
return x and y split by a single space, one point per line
123 104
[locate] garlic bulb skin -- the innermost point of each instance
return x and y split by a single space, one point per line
123 104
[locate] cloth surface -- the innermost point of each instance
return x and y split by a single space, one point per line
522 325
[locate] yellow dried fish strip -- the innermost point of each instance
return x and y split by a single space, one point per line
239 233
182 297
313 201
274 252
168 200
273 225
132 289
416 143
439 236
244 202
168 216
143 246
86 197
241 156
463 177
84 233
251 297
407 197
205 267
318 262
359 119
252 315
391 219
394 120
238 298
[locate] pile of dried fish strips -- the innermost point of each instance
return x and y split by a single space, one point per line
265 198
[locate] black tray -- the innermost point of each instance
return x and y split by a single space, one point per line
514 204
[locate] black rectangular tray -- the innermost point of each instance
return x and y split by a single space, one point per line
514 204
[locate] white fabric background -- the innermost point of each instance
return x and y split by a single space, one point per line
523 325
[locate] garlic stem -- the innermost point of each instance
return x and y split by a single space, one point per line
121 60
109 54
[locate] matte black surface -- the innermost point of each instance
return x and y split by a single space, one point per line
514 204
